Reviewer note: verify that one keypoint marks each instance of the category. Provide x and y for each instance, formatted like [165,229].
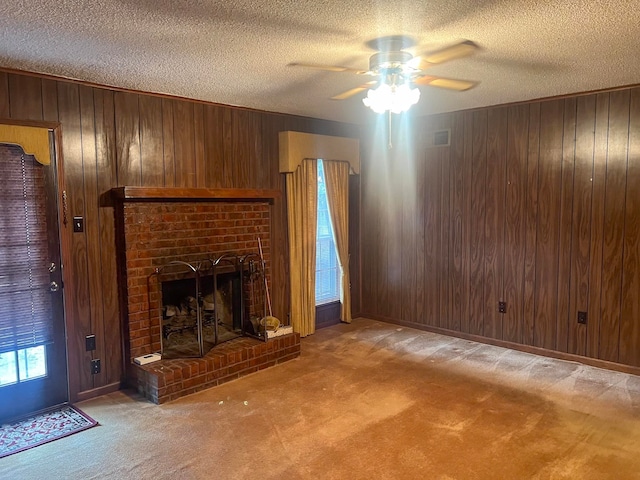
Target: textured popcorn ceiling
[237,52]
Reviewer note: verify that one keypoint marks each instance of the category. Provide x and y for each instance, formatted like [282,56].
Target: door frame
[64,228]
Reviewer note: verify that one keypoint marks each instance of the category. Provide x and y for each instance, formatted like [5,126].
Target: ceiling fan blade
[353,91]
[448,83]
[446,54]
[329,68]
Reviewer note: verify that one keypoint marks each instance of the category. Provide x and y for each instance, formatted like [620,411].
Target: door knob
[54,287]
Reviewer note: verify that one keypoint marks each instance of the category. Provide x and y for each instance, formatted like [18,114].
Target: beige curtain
[302,204]
[337,179]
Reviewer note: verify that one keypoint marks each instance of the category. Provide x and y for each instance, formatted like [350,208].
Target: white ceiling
[237,53]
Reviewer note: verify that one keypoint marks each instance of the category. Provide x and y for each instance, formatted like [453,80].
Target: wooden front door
[33,367]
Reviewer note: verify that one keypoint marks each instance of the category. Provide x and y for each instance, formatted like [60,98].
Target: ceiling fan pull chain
[389,130]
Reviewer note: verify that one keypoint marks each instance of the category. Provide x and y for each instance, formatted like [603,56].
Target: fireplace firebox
[206,303]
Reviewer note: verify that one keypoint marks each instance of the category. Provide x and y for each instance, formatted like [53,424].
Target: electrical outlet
[95,366]
[502,307]
[90,342]
[582,317]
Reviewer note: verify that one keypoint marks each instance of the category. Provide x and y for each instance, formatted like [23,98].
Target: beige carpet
[367,401]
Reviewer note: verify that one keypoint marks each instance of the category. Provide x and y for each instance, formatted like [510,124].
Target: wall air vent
[442,138]
[438,138]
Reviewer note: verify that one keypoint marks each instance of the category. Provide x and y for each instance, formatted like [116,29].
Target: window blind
[25,300]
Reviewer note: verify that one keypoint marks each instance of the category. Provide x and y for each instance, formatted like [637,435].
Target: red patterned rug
[42,428]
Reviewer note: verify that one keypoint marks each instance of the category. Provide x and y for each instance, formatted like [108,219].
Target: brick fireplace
[155,226]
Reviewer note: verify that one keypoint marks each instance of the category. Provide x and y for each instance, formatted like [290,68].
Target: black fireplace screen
[208,303]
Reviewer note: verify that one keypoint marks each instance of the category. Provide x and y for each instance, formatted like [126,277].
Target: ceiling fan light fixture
[392,98]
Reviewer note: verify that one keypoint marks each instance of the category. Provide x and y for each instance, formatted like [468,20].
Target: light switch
[78,224]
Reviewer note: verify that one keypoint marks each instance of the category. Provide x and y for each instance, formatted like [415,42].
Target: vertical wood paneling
[566,213]
[151,149]
[444,214]
[494,220]
[258,175]
[420,231]
[25,97]
[408,238]
[92,226]
[242,138]
[393,219]
[105,243]
[227,145]
[49,100]
[214,147]
[380,194]
[613,241]
[456,282]
[581,222]
[478,211]
[381,252]
[466,217]
[77,302]
[597,224]
[630,315]
[168,146]
[531,236]
[128,156]
[354,244]
[183,144]
[198,140]
[4,95]
[514,236]
[434,158]
[367,225]
[549,198]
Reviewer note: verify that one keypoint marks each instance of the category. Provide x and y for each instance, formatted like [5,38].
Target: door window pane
[23,364]
[8,368]
[32,362]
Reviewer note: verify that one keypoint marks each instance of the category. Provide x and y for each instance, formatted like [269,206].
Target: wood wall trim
[545,352]
[96,392]
[129,193]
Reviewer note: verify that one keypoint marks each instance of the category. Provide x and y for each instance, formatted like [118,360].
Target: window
[23,364]
[327,269]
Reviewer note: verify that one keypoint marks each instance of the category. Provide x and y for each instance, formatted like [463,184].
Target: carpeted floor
[367,401]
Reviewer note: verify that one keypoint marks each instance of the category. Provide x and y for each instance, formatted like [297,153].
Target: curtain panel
[302,201]
[337,180]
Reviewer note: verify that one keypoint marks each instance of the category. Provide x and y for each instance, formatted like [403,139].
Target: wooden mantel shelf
[177,194]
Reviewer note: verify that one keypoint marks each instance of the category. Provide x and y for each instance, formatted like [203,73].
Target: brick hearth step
[167,380]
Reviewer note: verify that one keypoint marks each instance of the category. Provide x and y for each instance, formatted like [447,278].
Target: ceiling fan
[398,70]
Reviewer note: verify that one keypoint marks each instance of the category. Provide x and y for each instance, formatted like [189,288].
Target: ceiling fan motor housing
[385,61]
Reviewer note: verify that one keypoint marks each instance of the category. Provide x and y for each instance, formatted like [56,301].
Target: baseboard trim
[593,362]
[96,392]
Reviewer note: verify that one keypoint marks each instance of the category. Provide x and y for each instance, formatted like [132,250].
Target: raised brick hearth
[156,226]
[167,380]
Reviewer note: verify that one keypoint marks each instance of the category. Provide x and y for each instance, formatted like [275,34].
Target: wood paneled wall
[536,205]
[113,138]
